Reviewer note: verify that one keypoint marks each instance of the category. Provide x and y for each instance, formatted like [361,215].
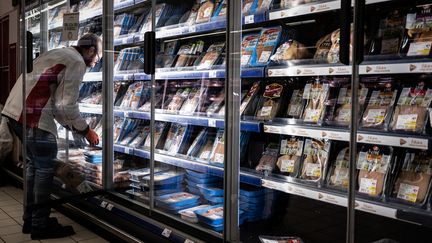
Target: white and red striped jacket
[52,90]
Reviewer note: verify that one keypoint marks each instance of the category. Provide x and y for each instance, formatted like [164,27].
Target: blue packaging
[176,200]
[202,181]
[189,213]
[212,215]
[214,200]
[193,190]
[199,175]
[267,43]
[169,177]
[251,191]
[254,200]
[211,190]
[176,208]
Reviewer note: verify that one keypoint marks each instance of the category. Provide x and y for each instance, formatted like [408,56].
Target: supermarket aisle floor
[11,222]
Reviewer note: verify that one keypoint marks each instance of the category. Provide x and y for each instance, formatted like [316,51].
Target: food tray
[202,180]
[189,213]
[254,200]
[212,215]
[251,191]
[214,200]
[193,190]
[176,209]
[199,175]
[210,190]
[177,199]
[169,177]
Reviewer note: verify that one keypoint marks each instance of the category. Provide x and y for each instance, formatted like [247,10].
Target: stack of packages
[205,185]
[165,183]
[130,59]
[256,202]
[123,23]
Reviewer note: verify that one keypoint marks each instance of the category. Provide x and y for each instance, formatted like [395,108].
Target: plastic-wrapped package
[269,38]
[178,99]
[333,53]
[139,139]
[216,105]
[290,154]
[268,160]
[339,112]
[218,151]
[249,43]
[290,50]
[118,123]
[176,135]
[271,102]
[280,239]
[248,102]
[189,213]
[190,16]
[413,180]
[379,107]
[411,113]
[338,176]
[205,12]
[248,6]
[315,158]
[221,9]
[296,104]
[316,94]
[187,54]
[193,101]
[388,38]
[197,143]
[212,55]
[160,130]
[323,47]
[418,34]
[373,164]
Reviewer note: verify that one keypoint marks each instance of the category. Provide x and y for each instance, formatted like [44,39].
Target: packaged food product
[373,164]
[212,55]
[118,123]
[178,99]
[413,181]
[280,239]
[160,128]
[411,113]
[205,12]
[190,16]
[333,53]
[192,102]
[250,97]
[380,104]
[211,190]
[417,39]
[290,50]
[189,213]
[268,159]
[270,102]
[296,104]
[176,135]
[178,200]
[315,94]
[221,10]
[339,114]
[315,157]
[218,151]
[269,38]
[323,47]
[217,104]
[290,153]
[139,139]
[249,43]
[212,215]
[263,5]
[339,171]
[248,5]
[388,39]
[165,178]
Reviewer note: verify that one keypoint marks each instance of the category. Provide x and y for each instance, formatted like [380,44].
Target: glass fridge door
[394,161]
[295,84]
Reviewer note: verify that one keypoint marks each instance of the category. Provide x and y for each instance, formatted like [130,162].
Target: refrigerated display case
[244,130]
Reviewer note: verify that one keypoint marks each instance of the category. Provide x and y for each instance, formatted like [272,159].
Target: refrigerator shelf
[343,134]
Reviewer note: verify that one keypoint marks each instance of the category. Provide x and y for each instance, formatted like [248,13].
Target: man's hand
[92,137]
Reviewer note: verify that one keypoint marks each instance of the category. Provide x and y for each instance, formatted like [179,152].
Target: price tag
[250,19]
[126,114]
[166,232]
[212,123]
[70,26]
[192,29]
[127,150]
[110,207]
[213,74]
[103,204]
[126,77]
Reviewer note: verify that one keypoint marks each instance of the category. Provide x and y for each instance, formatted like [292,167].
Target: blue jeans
[41,152]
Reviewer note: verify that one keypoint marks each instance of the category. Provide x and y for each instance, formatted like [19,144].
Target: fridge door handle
[29,51]
[345,32]
[149,52]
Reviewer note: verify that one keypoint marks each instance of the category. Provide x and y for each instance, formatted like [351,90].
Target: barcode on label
[249,19]
[110,207]
[212,123]
[103,204]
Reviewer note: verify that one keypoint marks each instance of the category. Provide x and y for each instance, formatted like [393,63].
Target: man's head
[91,49]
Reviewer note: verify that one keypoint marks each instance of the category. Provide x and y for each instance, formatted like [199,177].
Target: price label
[213,74]
[126,77]
[103,204]
[126,114]
[250,19]
[212,123]
[166,232]
[192,29]
[127,150]
[110,207]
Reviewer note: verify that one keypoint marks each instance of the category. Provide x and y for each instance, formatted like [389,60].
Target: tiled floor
[11,222]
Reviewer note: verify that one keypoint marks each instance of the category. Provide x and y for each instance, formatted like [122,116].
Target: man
[52,90]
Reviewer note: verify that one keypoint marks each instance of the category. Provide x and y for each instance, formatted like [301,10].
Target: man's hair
[89,40]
